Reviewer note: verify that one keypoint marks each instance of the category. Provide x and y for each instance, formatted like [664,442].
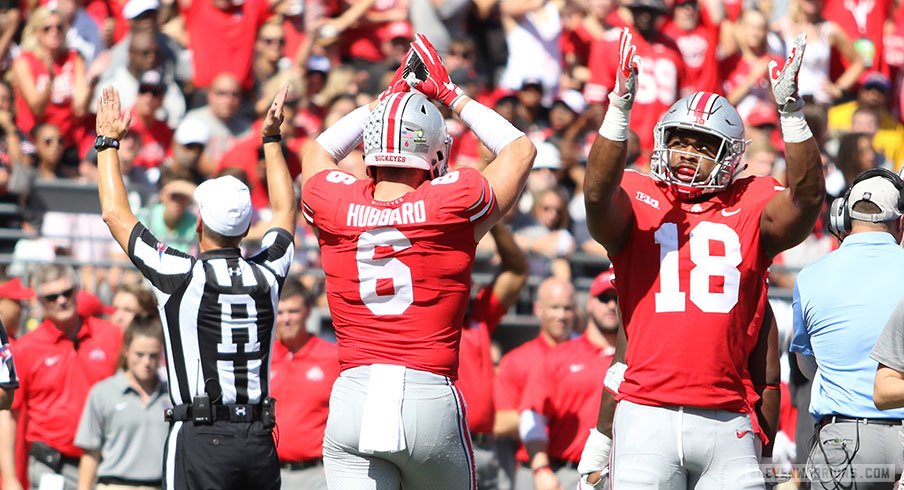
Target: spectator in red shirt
[563,393]
[745,84]
[475,367]
[57,364]
[221,36]
[696,29]
[156,136]
[50,80]
[555,308]
[303,368]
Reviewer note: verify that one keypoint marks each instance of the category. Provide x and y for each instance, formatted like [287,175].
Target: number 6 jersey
[398,273]
[691,287]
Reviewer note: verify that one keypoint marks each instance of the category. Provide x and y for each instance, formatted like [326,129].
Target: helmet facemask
[707,115]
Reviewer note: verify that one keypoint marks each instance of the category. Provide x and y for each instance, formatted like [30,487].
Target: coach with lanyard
[841,303]
[218,311]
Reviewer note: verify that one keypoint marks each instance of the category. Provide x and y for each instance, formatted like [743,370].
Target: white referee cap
[225,205]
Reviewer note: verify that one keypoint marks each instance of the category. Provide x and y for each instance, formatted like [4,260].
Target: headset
[840,210]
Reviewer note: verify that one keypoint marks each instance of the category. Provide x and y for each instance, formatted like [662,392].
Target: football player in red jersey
[397,250]
[683,418]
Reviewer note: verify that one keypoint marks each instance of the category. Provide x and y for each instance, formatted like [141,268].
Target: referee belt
[835,419]
[300,465]
[221,413]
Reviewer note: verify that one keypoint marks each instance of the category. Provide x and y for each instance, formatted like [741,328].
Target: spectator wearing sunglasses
[57,365]
[156,136]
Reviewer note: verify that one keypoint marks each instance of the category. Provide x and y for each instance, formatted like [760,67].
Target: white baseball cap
[879,191]
[548,156]
[190,131]
[134,8]
[225,205]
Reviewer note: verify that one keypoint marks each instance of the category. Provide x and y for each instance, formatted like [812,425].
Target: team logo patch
[234,271]
[644,198]
[97,354]
[315,374]
[161,248]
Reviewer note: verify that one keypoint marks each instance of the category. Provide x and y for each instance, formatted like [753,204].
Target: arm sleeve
[889,348]
[277,252]
[800,342]
[165,267]
[89,435]
[8,378]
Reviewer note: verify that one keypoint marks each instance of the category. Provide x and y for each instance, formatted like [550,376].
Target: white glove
[622,95]
[595,457]
[784,81]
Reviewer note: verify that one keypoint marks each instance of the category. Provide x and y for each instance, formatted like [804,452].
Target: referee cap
[225,205]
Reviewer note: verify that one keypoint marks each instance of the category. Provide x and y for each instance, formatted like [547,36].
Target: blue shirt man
[841,304]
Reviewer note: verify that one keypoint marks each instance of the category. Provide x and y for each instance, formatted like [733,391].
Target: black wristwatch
[104,142]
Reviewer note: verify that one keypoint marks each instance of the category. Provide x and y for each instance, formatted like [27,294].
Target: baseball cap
[878,81]
[657,5]
[604,282]
[318,63]
[225,205]
[152,80]
[531,82]
[398,29]
[15,290]
[879,191]
[548,156]
[134,8]
[573,100]
[190,131]
[762,115]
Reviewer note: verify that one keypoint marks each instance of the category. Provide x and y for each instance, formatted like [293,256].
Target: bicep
[315,160]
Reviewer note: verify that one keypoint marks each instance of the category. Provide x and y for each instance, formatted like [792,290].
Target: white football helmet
[707,113]
[406,130]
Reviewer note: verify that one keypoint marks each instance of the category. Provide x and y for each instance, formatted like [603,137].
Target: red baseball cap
[15,290]
[603,283]
[88,304]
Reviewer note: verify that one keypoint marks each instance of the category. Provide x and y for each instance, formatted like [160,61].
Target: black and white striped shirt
[8,378]
[218,312]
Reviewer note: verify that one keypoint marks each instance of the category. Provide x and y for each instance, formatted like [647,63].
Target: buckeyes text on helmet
[708,114]
[407,131]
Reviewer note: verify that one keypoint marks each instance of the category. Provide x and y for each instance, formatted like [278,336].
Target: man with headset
[841,303]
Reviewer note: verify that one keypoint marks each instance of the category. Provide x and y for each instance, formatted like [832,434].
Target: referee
[218,311]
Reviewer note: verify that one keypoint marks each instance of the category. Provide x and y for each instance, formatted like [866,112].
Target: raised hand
[110,119]
[274,118]
[432,77]
[402,80]
[622,95]
[784,81]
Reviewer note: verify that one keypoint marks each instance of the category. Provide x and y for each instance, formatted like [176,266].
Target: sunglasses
[227,93]
[155,91]
[270,41]
[52,298]
[50,140]
[144,52]
[607,297]
[52,27]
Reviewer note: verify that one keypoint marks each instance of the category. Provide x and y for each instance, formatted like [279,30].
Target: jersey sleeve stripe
[486,209]
[307,208]
[483,194]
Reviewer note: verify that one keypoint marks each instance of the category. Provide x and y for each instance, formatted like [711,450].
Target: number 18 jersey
[398,273]
[691,287]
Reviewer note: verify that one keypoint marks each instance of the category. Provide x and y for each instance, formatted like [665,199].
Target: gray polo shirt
[129,435]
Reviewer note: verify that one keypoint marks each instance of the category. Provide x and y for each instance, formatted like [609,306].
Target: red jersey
[243,155]
[155,142]
[687,307]
[864,22]
[567,388]
[55,376]
[476,370]
[698,49]
[301,383]
[660,81]
[59,109]
[223,41]
[734,71]
[398,273]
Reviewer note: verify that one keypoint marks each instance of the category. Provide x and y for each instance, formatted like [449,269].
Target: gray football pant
[438,455]
[679,448]
[311,478]
[856,456]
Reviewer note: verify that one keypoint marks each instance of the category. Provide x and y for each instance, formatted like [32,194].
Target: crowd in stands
[198,75]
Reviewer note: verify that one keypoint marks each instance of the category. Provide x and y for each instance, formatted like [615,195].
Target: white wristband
[615,124]
[595,456]
[614,376]
[794,127]
[493,130]
[342,137]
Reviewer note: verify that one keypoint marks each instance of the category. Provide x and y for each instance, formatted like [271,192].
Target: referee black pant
[223,456]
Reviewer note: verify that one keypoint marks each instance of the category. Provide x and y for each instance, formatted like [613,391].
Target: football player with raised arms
[691,245]
[398,249]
